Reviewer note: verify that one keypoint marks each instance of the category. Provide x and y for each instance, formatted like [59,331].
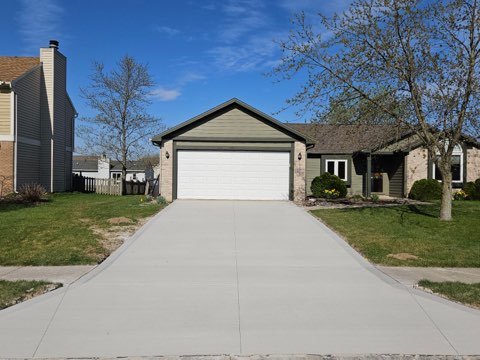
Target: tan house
[36,121]
[235,151]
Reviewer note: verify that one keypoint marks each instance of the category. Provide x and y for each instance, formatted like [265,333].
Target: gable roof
[11,67]
[345,139]
[85,163]
[234,102]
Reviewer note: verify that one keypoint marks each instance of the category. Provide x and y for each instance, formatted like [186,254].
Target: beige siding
[5,114]
[473,164]
[27,90]
[46,113]
[416,167]
[313,170]
[235,123]
[232,145]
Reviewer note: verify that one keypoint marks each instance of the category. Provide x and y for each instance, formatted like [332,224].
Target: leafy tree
[121,127]
[423,55]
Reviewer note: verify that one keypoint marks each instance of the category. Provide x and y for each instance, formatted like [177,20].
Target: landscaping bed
[468,294]
[13,292]
[69,228]
[410,235]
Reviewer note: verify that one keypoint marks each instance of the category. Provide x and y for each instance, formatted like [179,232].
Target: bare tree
[122,127]
[423,55]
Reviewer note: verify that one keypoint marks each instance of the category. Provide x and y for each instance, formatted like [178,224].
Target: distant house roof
[85,163]
[344,139]
[11,67]
[131,166]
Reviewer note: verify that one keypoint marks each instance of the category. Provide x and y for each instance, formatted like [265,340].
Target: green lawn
[60,232]
[12,292]
[377,232]
[465,293]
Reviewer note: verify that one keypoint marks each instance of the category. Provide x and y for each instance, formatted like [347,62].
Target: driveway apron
[236,277]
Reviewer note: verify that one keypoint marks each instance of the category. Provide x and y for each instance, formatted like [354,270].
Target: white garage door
[244,175]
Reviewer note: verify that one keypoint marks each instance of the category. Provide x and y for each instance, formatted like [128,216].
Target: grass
[13,292]
[377,232]
[61,231]
[464,293]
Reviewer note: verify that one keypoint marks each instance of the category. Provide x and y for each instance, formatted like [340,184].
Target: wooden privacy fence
[107,186]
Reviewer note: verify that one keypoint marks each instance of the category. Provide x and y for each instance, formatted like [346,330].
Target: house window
[337,167]
[457,167]
[116,176]
[134,176]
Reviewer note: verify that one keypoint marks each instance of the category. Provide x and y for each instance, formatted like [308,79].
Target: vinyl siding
[28,164]
[233,145]
[59,122]
[313,170]
[235,123]
[396,176]
[28,105]
[46,112]
[359,168]
[5,114]
[69,126]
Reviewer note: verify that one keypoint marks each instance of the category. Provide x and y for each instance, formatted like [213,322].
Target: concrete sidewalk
[58,274]
[410,276]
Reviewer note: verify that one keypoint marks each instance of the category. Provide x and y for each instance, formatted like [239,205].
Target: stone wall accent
[416,167]
[166,170]
[299,172]
[473,164]
[6,167]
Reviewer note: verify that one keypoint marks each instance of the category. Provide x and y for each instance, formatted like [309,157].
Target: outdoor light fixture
[299,156]
[167,155]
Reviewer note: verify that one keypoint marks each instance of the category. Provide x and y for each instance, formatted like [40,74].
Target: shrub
[426,189]
[460,195]
[375,198]
[328,186]
[32,192]
[472,190]
[356,198]
[161,200]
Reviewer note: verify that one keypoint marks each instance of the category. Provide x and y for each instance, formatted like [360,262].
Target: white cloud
[39,22]
[188,77]
[167,30]
[255,54]
[241,17]
[163,94]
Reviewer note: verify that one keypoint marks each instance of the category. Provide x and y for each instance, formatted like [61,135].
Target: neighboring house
[235,151]
[36,121]
[376,159]
[101,167]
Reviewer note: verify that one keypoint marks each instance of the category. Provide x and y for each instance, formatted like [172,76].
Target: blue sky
[200,53]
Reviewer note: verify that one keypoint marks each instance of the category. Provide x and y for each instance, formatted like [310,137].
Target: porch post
[368,179]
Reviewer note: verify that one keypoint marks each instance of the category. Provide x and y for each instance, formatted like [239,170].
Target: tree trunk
[446,203]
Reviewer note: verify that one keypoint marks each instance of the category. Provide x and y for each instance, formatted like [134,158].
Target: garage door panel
[233,175]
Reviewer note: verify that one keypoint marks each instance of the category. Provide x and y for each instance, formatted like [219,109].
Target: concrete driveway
[227,277]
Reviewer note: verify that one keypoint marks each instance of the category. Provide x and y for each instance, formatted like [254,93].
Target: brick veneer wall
[417,167]
[473,164]
[299,172]
[166,171]
[6,167]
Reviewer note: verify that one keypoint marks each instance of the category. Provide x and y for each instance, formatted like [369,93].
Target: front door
[377,176]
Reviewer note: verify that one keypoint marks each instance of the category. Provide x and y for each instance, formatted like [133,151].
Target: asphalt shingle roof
[344,139]
[11,67]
